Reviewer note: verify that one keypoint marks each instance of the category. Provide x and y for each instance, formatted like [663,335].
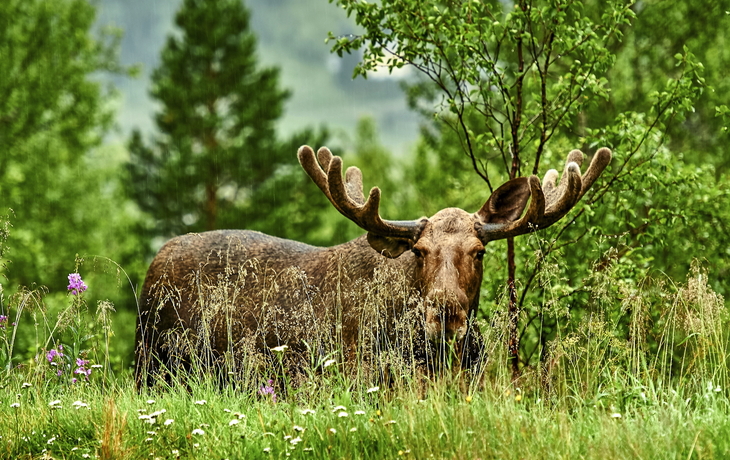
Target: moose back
[222,294]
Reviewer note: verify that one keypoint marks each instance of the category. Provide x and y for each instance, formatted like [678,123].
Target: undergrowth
[639,372]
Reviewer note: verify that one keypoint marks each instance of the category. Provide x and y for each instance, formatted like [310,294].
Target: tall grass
[639,372]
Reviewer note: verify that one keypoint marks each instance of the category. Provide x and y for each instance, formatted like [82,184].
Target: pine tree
[217,140]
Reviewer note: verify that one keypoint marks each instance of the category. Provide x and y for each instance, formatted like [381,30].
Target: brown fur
[224,292]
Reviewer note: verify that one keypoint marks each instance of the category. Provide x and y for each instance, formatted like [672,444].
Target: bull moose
[239,288]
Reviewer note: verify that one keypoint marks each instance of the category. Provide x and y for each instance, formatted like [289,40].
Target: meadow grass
[645,378]
[206,422]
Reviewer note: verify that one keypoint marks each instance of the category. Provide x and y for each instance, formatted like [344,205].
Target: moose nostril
[446,317]
[449,301]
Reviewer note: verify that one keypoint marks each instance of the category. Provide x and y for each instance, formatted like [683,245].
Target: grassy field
[659,392]
[89,421]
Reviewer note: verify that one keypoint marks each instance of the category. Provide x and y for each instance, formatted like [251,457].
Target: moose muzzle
[446,315]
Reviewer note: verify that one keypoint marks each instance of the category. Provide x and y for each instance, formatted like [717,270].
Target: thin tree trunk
[513,311]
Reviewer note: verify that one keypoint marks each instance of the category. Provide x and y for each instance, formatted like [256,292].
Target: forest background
[83,191]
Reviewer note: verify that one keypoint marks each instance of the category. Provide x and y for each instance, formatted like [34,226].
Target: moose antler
[548,203]
[326,171]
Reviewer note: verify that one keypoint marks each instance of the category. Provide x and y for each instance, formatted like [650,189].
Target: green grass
[351,424]
[640,377]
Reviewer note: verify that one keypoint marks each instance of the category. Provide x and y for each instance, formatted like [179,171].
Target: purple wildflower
[53,353]
[81,369]
[75,284]
[3,320]
[268,390]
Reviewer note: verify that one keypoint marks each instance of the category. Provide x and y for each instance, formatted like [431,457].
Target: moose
[210,284]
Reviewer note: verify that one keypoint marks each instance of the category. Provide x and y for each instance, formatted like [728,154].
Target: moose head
[448,247]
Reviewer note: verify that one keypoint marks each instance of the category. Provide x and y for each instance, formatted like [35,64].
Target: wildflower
[389,422]
[227,410]
[298,428]
[50,441]
[198,431]
[336,408]
[468,398]
[307,412]
[152,433]
[518,397]
[79,404]
[333,431]
[81,369]
[3,320]
[148,419]
[175,452]
[27,385]
[53,354]
[280,349]
[353,429]
[235,421]
[239,415]
[295,441]
[15,405]
[268,390]
[372,390]
[75,284]
[329,362]
[169,422]
[55,404]
[615,415]
[359,412]
[267,449]
[150,401]
[201,402]
[97,366]
[342,414]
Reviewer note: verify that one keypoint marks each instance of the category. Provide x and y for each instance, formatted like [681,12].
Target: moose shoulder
[235,287]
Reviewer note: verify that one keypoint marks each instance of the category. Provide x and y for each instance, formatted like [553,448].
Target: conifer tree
[216,126]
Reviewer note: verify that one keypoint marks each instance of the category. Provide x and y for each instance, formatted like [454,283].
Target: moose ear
[388,246]
[507,203]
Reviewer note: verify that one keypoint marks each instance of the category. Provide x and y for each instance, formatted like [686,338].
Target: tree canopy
[216,126]
[55,190]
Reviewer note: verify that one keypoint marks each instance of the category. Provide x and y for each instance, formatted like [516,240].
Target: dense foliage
[58,188]
[511,88]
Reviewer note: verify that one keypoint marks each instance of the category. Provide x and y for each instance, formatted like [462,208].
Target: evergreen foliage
[216,124]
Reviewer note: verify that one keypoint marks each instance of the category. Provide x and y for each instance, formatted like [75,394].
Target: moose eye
[480,255]
[417,252]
